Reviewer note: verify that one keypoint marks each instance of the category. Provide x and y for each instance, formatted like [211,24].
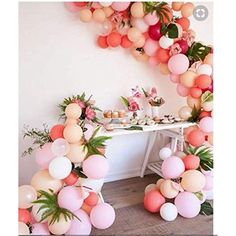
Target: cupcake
[115,114]
[121,113]
[107,114]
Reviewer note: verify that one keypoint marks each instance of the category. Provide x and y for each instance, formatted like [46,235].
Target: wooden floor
[126,196]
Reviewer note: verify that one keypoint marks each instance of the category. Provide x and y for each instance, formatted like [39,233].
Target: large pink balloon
[70,197]
[188,205]
[120,6]
[172,167]
[206,124]
[44,155]
[82,227]
[102,216]
[151,47]
[182,91]
[95,167]
[178,64]
[40,229]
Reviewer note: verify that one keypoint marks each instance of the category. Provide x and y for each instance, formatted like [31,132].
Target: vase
[155,111]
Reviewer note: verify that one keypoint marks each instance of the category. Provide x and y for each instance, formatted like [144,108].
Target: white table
[165,129]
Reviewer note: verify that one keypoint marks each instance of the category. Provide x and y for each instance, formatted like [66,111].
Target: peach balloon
[158,183]
[187,9]
[85,15]
[187,79]
[195,92]
[134,34]
[73,133]
[209,59]
[167,189]
[193,181]
[77,153]
[120,6]
[108,11]
[70,121]
[26,195]
[176,6]
[163,55]
[137,10]
[149,188]
[139,24]
[38,214]
[60,227]
[73,111]
[210,138]
[99,15]
[194,102]
[185,112]
[23,229]
[42,180]
[140,43]
[207,106]
[163,68]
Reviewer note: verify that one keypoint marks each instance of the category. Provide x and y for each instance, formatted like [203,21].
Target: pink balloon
[89,132]
[70,6]
[60,147]
[120,6]
[209,183]
[40,229]
[182,91]
[206,124]
[96,5]
[140,24]
[151,47]
[95,167]
[151,18]
[174,78]
[102,216]
[188,205]
[178,64]
[183,45]
[70,197]
[44,155]
[82,227]
[153,61]
[172,167]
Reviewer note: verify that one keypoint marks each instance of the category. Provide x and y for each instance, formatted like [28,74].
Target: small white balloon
[60,167]
[93,185]
[105,4]
[164,153]
[168,211]
[149,188]
[165,42]
[204,69]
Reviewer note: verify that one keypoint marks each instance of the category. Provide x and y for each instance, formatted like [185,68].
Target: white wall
[58,57]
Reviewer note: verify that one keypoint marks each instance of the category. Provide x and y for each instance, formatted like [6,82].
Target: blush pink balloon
[40,229]
[60,147]
[70,197]
[172,167]
[151,18]
[188,205]
[178,64]
[174,78]
[95,167]
[151,47]
[70,6]
[209,183]
[82,227]
[44,155]
[182,91]
[153,61]
[89,132]
[120,6]
[206,124]
[140,24]
[96,5]
[102,216]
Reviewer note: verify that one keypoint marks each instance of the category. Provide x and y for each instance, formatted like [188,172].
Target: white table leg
[101,197]
[174,142]
[181,142]
[151,141]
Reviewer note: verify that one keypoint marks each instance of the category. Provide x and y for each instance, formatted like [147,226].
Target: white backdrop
[58,57]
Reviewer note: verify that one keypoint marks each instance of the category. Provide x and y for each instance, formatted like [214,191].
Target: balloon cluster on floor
[64,195]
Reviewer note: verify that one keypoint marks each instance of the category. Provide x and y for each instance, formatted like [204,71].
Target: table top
[147,128]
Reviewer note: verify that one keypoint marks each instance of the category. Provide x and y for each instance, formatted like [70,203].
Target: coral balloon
[56,132]
[137,10]
[42,180]
[102,42]
[92,199]
[194,102]
[125,42]
[40,229]
[114,39]
[187,9]
[168,211]
[187,204]
[184,22]
[24,216]
[182,91]
[26,195]
[172,167]
[73,133]
[151,47]
[204,114]
[195,92]
[187,79]
[153,201]
[203,81]
[80,4]
[185,112]
[168,190]
[102,216]
[73,111]
[204,69]
[176,6]
[206,124]
[165,42]
[95,167]
[196,138]
[71,179]
[85,15]
[120,6]
[153,61]
[163,55]
[77,153]
[193,181]
[151,18]
[99,15]
[23,229]
[174,78]
[60,227]
[191,162]
[178,64]
[134,34]
[154,31]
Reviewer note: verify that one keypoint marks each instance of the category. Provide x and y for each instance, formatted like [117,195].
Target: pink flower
[189,36]
[175,49]
[136,93]
[133,106]
[79,102]
[153,92]
[90,113]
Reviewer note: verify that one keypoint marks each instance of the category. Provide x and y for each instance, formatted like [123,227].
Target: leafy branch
[207,97]
[194,115]
[206,209]
[125,101]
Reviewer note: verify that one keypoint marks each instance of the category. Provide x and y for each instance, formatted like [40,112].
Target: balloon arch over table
[63,197]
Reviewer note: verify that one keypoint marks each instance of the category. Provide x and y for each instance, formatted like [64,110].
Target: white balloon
[164,153]
[93,185]
[168,211]
[60,167]
[165,42]
[204,69]
[23,229]
[105,4]
[38,215]
[207,106]
[140,24]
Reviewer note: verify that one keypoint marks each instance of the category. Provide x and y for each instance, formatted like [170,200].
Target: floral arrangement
[152,98]
[86,104]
